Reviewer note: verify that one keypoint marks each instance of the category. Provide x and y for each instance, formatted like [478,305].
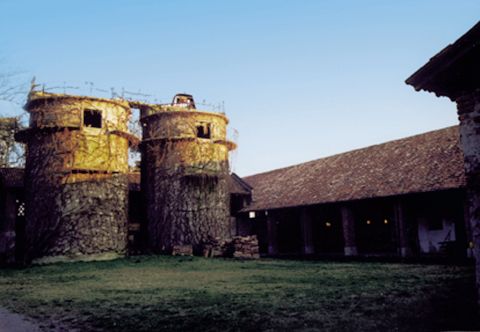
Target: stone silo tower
[184,174]
[75,176]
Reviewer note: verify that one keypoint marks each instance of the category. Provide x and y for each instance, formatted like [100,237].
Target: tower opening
[92,118]
[203,130]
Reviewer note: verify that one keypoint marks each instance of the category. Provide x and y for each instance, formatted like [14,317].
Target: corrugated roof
[422,163]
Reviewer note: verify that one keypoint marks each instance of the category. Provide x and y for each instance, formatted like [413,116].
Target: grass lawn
[156,293]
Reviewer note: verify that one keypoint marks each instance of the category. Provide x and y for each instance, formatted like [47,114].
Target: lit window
[251,214]
[328,224]
[385,221]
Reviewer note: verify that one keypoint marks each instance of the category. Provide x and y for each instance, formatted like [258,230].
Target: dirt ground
[11,322]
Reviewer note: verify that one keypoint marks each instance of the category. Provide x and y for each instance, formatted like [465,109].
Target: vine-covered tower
[184,174]
[75,176]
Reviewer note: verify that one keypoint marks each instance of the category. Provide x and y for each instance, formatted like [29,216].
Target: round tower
[75,176]
[184,174]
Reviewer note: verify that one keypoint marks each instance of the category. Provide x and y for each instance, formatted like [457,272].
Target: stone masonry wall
[79,219]
[186,209]
[468,107]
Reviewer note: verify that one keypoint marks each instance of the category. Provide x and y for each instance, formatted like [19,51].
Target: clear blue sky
[300,79]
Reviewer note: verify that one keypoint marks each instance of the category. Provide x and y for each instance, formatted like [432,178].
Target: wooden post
[272,234]
[307,236]
[348,223]
[403,245]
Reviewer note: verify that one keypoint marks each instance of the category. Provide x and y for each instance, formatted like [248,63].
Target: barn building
[400,198]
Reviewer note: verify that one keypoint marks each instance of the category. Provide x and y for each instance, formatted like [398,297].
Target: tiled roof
[454,69]
[237,185]
[422,163]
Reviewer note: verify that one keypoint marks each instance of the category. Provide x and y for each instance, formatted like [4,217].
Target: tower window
[203,130]
[92,118]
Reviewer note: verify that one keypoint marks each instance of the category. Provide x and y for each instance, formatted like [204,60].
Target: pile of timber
[215,247]
[182,250]
[243,247]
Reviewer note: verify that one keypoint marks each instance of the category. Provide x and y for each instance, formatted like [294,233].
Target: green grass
[156,293]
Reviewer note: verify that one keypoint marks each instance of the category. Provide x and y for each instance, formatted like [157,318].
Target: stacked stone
[245,247]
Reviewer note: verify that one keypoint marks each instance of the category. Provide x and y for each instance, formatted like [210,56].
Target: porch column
[272,234]
[468,109]
[307,236]
[348,223]
[404,249]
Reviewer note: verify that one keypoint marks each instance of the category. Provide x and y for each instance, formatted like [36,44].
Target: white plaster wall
[430,239]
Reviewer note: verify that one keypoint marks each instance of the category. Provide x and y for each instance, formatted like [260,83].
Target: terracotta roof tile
[237,185]
[427,162]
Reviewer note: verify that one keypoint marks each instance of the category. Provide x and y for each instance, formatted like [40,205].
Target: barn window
[92,118]
[203,130]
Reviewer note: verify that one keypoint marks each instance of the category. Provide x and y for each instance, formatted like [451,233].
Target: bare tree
[12,154]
